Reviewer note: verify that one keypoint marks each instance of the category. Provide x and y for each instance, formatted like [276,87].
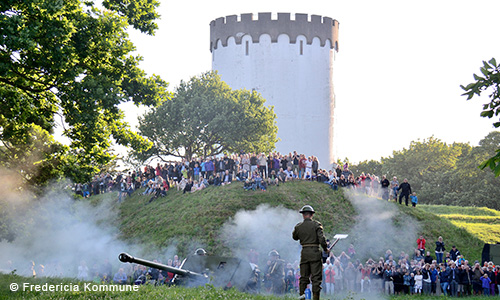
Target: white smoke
[263,229]
[380,226]
[57,232]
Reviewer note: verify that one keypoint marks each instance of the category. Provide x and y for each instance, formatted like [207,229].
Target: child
[414,199]
[418,282]
[406,282]
[412,283]
[486,284]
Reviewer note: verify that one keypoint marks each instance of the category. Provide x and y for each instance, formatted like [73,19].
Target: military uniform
[311,237]
[276,274]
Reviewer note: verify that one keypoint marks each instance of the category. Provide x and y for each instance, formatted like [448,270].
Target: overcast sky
[397,75]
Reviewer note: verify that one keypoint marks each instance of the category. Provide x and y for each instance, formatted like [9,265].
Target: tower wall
[290,62]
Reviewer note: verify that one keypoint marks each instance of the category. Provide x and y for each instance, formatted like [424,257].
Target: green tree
[488,81]
[72,59]
[368,167]
[422,160]
[206,117]
[470,186]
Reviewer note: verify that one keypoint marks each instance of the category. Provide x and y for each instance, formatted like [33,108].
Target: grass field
[482,222]
[157,293]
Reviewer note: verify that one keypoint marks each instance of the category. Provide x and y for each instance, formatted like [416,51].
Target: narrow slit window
[246,48]
[301,47]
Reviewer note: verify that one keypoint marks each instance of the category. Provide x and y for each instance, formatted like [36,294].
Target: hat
[307,208]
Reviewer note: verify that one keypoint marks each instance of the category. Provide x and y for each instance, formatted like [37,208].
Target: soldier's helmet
[274,253]
[200,251]
[307,208]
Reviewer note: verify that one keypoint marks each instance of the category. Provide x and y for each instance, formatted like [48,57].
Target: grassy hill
[482,222]
[183,218]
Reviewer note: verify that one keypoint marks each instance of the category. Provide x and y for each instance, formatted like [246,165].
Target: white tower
[289,62]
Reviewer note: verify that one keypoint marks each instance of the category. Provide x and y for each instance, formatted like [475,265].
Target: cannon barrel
[127,258]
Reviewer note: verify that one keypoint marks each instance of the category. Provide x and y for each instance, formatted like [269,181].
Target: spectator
[453,278]
[388,279]
[338,277]
[120,277]
[444,279]
[329,277]
[405,189]
[83,271]
[273,178]
[428,258]
[439,250]
[465,280]
[262,165]
[394,188]
[227,179]
[454,253]
[302,166]
[189,186]
[421,244]
[418,282]
[486,284]
[414,199]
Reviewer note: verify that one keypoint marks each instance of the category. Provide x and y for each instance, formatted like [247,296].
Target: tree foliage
[70,59]
[443,173]
[488,80]
[206,117]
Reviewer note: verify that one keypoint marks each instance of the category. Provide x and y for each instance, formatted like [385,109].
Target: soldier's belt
[310,245]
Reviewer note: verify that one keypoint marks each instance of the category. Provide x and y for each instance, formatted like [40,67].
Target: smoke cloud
[380,226]
[263,229]
[57,232]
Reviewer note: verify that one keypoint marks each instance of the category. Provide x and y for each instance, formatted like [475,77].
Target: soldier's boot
[315,296]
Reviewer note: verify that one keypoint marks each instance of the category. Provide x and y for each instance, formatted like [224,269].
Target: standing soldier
[310,235]
[276,273]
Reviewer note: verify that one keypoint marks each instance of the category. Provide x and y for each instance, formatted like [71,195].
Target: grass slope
[187,219]
[482,222]
[198,216]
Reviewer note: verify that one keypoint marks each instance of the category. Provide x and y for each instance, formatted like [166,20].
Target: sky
[397,74]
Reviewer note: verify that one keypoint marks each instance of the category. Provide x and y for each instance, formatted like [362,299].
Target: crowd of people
[418,272]
[446,273]
[256,171]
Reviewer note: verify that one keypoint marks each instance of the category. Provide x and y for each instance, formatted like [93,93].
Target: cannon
[196,270]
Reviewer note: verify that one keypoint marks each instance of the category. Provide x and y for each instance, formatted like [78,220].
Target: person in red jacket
[329,277]
[421,244]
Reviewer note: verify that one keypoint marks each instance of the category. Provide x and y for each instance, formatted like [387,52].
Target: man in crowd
[405,191]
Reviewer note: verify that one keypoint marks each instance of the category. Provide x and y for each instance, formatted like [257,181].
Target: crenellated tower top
[324,28]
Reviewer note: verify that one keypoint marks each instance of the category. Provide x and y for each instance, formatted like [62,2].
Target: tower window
[301,47]
[246,48]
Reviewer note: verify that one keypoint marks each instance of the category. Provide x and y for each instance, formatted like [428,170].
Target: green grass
[158,293]
[199,216]
[183,218]
[481,222]
[149,292]
[434,226]
[459,210]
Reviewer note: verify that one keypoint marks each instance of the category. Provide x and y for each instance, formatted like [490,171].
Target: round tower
[288,61]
